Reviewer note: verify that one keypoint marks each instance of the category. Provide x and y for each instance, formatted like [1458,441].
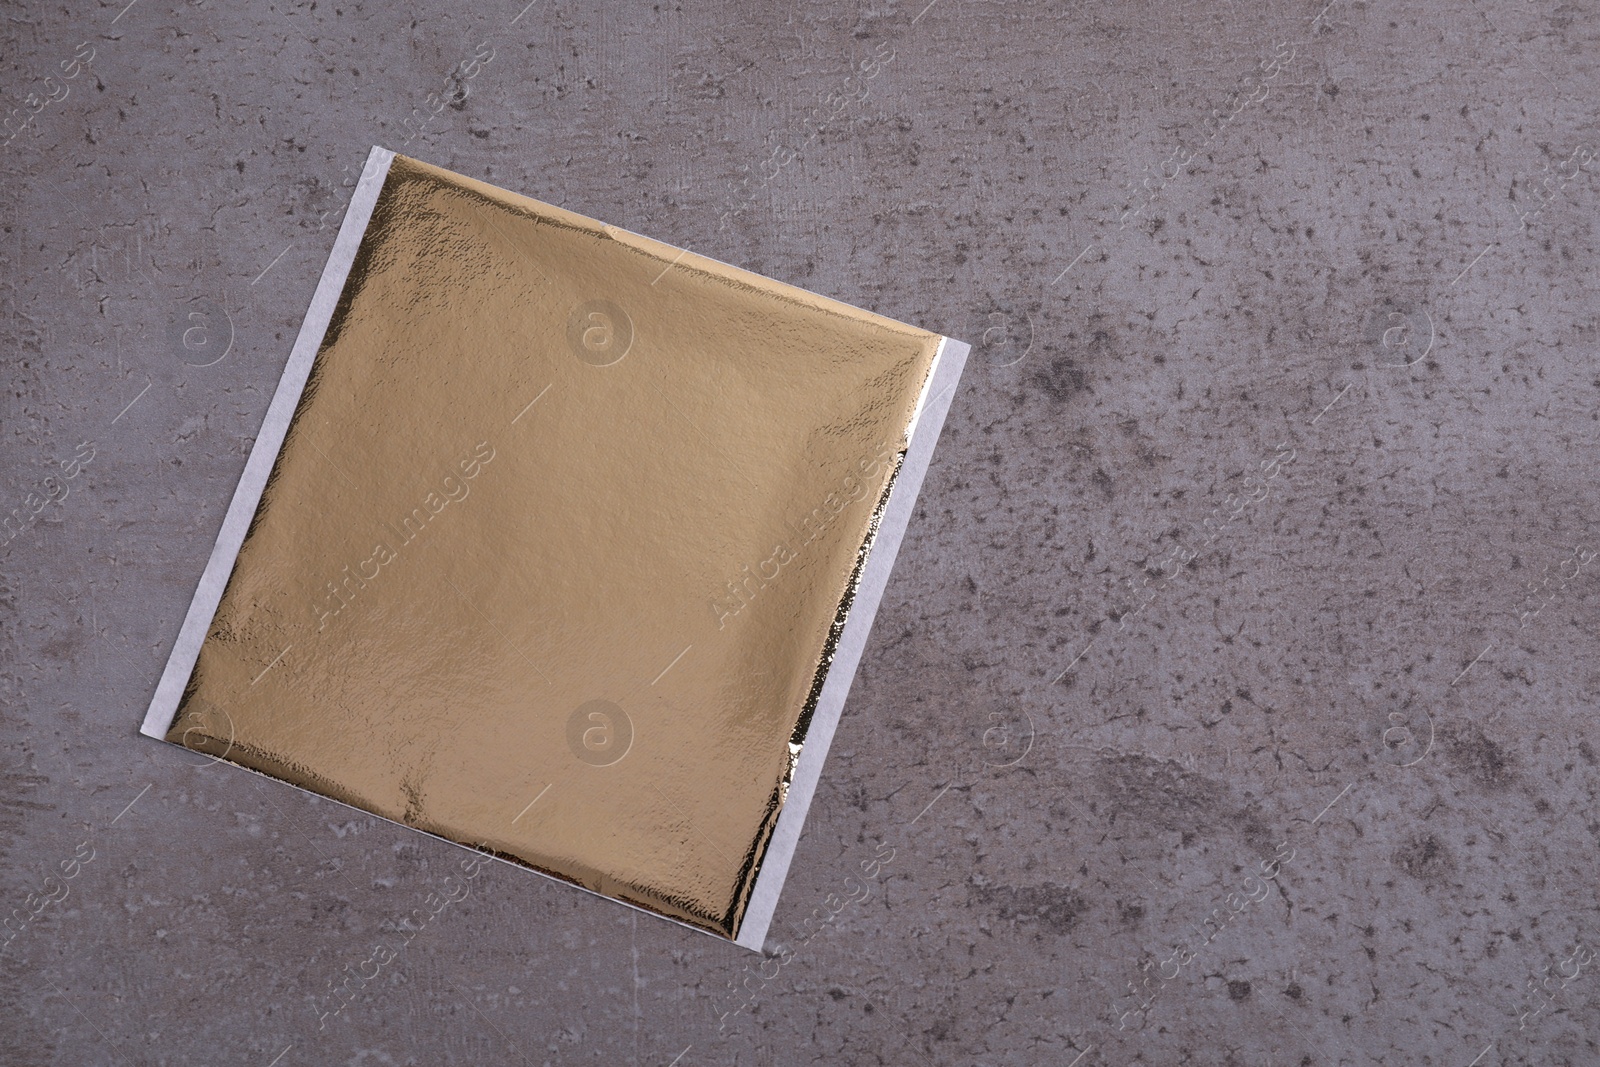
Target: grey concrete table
[1231,702]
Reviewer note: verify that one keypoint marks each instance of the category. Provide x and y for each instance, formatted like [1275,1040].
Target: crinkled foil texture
[555,553]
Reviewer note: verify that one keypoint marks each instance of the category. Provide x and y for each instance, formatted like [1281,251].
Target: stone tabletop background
[1232,699]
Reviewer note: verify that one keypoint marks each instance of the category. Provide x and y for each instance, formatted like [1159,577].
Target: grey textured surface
[1353,327]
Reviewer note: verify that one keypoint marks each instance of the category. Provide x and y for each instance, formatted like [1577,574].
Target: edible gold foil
[554,555]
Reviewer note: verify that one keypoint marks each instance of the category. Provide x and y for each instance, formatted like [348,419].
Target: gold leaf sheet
[555,551]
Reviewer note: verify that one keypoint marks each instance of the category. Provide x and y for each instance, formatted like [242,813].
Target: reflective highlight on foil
[557,551]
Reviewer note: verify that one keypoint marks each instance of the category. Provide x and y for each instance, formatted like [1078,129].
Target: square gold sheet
[558,545]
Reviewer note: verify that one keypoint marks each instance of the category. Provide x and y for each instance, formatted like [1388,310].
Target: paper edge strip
[926,425]
[258,468]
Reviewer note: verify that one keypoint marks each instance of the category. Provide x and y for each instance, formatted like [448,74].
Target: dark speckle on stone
[1056,908]
[1102,481]
[1484,761]
[1062,380]
[1155,795]
[1425,858]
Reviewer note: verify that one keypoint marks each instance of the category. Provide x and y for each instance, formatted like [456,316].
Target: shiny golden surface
[555,552]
